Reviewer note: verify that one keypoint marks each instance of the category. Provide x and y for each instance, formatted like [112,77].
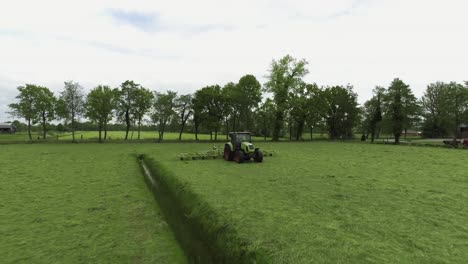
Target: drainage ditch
[194,246]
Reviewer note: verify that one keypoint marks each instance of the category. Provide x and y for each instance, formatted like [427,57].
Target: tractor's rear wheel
[239,156]
[227,153]
[258,157]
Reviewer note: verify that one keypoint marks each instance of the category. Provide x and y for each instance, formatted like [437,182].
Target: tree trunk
[161,130]
[43,126]
[397,138]
[105,131]
[227,129]
[216,134]
[277,126]
[73,127]
[127,122]
[139,127]
[311,133]
[300,129]
[406,130]
[29,129]
[181,130]
[100,129]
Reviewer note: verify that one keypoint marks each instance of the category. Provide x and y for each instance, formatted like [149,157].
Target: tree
[232,98]
[100,103]
[315,107]
[71,103]
[341,111]
[456,105]
[265,117]
[183,106]
[126,103]
[395,107]
[142,102]
[433,106]
[285,74]
[248,97]
[210,106]
[44,104]
[25,108]
[163,111]
[304,106]
[373,112]
[198,111]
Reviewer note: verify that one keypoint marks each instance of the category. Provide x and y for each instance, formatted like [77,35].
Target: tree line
[284,105]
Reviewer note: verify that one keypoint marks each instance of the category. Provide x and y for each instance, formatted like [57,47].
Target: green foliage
[306,107]
[372,111]
[250,96]
[142,102]
[70,105]
[36,105]
[100,103]
[183,108]
[341,111]
[126,103]
[163,110]
[401,108]
[209,107]
[284,75]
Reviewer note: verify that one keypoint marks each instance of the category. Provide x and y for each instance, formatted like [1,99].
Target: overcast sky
[185,45]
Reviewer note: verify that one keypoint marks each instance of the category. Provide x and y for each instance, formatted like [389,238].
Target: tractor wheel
[239,156]
[227,153]
[258,157]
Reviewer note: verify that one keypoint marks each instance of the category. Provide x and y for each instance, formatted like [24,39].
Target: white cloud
[184,45]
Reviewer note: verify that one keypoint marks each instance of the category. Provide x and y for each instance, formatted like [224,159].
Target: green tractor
[240,148]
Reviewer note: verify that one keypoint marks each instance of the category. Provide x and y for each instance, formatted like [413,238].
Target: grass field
[79,204]
[314,202]
[336,203]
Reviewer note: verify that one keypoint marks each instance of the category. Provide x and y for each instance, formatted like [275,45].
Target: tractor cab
[238,137]
[240,148]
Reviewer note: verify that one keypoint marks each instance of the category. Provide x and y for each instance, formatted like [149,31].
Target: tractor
[241,149]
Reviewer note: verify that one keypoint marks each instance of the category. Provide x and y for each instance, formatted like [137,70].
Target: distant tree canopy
[286,106]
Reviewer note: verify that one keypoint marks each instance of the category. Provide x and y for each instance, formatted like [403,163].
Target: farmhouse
[7,128]
[410,133]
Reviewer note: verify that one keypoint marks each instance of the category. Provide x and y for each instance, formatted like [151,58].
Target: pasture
[313,202]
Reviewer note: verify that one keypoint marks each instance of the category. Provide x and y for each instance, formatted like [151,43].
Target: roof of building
[6,125]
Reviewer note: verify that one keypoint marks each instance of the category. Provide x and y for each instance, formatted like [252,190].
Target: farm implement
[239,149]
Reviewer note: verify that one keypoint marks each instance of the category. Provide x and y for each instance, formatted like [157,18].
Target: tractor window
[243,138]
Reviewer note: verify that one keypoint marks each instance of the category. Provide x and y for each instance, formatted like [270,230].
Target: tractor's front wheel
[258,157]
[227,153]
[239,156]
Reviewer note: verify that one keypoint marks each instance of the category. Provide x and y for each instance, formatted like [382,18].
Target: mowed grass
[73,203]
[312,203]
[337,202]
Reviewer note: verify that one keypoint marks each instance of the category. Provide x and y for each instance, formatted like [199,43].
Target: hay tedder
[239,149]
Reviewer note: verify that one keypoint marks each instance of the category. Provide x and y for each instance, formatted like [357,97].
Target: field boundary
[199,229]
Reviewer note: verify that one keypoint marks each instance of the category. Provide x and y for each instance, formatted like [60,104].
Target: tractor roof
[232,133]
